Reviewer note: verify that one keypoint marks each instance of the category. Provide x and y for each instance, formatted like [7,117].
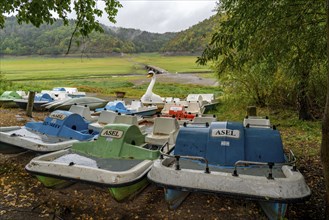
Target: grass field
[99,75]
[42,68]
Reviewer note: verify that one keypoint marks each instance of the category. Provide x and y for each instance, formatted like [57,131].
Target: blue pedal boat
[58,131]
[136,108]
[39,100]
[233,159]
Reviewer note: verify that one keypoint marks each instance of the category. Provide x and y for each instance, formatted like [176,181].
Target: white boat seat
[256,122]
[167,106]
[135,104]
[130,120]
[126,119]
[203,120]
[194,97]
[84,112]
[164,129]
[194,108]
[105,117]
[208,97]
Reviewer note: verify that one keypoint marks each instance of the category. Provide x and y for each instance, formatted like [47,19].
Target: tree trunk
[325,128]
[303,103]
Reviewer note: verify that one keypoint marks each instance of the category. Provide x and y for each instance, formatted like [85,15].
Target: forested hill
[193,39]
[54,39]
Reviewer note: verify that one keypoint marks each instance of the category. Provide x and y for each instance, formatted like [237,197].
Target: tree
[325,126]
[285,34]
[38,12]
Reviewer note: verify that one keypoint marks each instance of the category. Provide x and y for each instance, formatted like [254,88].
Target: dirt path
[23,197]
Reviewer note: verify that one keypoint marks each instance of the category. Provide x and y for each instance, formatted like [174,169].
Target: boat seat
[167,106]
[194,108]
[208,97]
[164,129]
[194,97]
[83,111]
[135,104]
[126,119]
[129,120]
[202,120]
[105,117]
[256,122]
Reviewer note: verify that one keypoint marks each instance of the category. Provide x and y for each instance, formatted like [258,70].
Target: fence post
[251,111]
[30,102]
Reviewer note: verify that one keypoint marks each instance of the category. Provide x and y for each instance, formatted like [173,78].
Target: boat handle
[177,157]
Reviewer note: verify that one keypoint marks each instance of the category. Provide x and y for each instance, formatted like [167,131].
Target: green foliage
[194,39]
[54,39]
[4,83]
[38,12]
[287,37]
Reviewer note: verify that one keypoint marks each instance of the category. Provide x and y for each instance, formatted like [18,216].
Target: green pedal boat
[119,159]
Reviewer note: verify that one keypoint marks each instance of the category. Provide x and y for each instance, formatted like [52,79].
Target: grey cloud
[161,16]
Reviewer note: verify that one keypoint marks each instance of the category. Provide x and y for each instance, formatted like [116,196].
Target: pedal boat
[177,111]
[39,100]
[231,159]
[7,99]
[119,159]
[58,131]
[135,108]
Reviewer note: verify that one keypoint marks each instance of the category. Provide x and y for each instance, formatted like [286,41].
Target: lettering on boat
[57,116]
[112,133]
[225,133]
[51,124]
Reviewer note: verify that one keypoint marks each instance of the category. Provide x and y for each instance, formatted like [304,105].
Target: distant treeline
[54,40]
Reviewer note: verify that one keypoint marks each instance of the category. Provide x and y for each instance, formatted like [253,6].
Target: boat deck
[110,164]
[254,170]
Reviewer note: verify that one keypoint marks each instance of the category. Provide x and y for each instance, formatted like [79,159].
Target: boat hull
[53,183]
[8,104]
[121,194]
[15,137]
[257,187]
[10,149]
[274,210]
[124,178]
[175,198]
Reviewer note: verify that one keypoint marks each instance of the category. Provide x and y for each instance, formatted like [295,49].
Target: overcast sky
[160,16]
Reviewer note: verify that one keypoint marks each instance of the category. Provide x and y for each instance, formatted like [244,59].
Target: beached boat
[135,108]
[91,102]
[110,117]
[58,131]
[7,99]
[119,159]
[60,92]
[150,98]
[39,100]
[207,101]
[231,159]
